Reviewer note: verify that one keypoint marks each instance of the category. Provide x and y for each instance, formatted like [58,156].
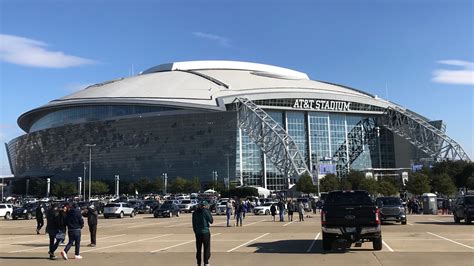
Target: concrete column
[79,186]
[48,186]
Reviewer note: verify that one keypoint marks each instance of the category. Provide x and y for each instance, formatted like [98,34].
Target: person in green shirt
[202,218]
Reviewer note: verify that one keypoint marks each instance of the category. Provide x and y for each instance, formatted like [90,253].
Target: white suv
[118,210]
[6,211]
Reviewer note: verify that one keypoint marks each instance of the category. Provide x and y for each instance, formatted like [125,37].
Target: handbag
[60,235]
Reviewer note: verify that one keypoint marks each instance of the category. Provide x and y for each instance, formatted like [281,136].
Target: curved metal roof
[205,85]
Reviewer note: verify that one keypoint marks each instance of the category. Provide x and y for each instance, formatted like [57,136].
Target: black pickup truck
[350,217]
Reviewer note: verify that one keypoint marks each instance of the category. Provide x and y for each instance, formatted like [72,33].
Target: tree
[193,185]
[386,188]
[459,170]
[470,182]
[443,184]
[418,184]
[305,184]
[329,183]
[63,189]
[178,185]
[356,178]
[99,188]
[370,185]
[344,184]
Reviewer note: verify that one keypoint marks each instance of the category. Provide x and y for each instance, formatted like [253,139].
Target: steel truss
[361,134]
[422,134]
[271,138]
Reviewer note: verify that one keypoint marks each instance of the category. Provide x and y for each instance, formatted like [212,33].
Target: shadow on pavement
[437,223]
[24,258]
[299,246]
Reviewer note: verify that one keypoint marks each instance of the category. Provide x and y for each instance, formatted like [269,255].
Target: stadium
[247,123]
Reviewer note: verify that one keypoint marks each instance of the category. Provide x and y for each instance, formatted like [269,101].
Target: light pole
[228,170]
[214,179]
[84,182]
[117,184]
[79,186]
[165,179]
[90,166]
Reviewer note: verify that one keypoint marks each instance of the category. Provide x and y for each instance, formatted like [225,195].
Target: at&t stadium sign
[323,105]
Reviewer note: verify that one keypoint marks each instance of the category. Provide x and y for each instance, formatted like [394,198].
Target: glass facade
[275,180]
[85,114]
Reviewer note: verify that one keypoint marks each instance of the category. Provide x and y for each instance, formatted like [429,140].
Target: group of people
[66,219]
[291,207]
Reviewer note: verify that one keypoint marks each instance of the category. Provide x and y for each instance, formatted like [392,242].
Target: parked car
[118,210]
[350,217]
[392,209]
[148,206]
[463,208]
[187,205]
[6,211]
[221,207]
[27,211]
[264,208]
[167,209]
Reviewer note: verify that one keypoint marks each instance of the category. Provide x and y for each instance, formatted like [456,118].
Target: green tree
[443,184]
[178,185]
[370,185]
[386,188]
[99,188]
[63,188]
[459,170]
[329,183]
[345,184]
[305,184]
[418,184]
[157,184]
[470,182]
[356,178]
[193,185]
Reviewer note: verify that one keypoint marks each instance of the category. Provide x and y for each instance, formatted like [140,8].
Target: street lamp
[84,182]
[214,179]
[90,166]
[378,144]
[165,179]
[228,170]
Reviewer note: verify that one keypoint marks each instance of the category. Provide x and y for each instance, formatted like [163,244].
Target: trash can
[430,205]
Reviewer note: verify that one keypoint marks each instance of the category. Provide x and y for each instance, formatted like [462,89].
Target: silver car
[118,210]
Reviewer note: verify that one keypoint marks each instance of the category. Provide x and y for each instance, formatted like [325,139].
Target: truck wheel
[467,219]
[377,243]
[121,215]
[456,219]
[404,222]
[327,242]
[106,217]
[132,214]
[267,212]
[8,216]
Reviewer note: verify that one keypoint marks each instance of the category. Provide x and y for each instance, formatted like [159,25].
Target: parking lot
[143,240]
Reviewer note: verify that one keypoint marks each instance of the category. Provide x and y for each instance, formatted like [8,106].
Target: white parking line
[289,223]
[436,220]
[254,222]
[126,243]
[461,244]
[47,246]
[312,243]
[387,246]
[410,224]
[177,245]
[248,242]
[148,224]
[176,225]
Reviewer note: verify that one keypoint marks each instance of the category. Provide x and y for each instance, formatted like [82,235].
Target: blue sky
[419,54]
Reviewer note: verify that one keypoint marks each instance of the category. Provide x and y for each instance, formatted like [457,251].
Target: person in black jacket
[54,224]
[92,222]
[202,218]
[74,223]
[39,218]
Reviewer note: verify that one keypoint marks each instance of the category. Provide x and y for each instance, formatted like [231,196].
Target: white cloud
[463,76]
[219,39]
[28,52]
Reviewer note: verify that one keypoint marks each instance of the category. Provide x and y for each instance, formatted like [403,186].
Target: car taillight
[323,218]
[377,216]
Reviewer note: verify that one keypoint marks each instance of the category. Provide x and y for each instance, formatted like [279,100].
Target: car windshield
[112,205]
[348,198]
[469,200]
[389,201]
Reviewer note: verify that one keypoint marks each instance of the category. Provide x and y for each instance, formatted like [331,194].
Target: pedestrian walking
[228,212]
[301,211]
[55,229]
[92,223]
[313,206]
[291,209]
[39,218]
[281,209]
[62,217]
[74,223]
[273,210]
[238,212]
[202,218]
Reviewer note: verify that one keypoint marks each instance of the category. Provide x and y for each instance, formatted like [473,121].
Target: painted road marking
[149,224]
[254,222]
[387,246]
[248,242]
[312,243]
[180,244]
[289,223]
[436,220]
[126,243]
[461,244]
[410,224]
